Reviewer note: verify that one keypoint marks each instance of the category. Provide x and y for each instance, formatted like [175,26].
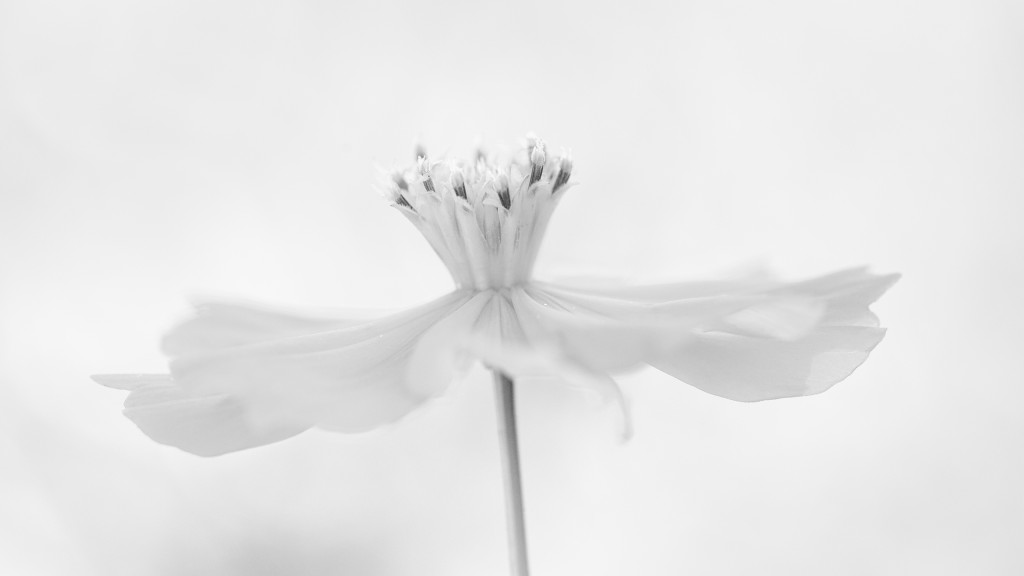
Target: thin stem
[508,438]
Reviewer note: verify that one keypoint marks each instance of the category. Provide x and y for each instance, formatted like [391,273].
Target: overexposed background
[152,151]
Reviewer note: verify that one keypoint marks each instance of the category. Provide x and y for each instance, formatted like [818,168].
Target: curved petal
[612,335]
[348,379]
[755,279]
[219,324]
[511,338]
[754,340]
[440,353]
[750,369]
[751,366]
[206,425]
[520,360]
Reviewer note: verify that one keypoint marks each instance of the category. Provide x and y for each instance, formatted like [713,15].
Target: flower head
[242,376]
[485,221]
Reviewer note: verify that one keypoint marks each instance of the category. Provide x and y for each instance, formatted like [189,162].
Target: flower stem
[504,391]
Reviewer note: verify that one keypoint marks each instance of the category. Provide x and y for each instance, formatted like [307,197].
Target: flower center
[484,219]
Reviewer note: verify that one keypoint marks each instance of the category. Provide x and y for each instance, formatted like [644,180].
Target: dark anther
[503,195]
[537,160]
[564,171]
[459,185]
[536,173]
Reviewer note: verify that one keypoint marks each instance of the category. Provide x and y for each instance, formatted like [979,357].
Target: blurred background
[156,151]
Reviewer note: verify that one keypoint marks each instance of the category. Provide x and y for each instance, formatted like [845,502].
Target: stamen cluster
[485,219]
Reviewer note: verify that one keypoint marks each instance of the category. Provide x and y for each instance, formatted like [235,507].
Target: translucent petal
[507,339]
[746,366]
[612,335]
[206,425]
[129,381]
[785,318]
[542,360]
[655,293]
[754,340]
[750,369]
[226,324]
[349,379]
[441,354]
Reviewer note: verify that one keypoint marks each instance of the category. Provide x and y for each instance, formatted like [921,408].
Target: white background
[152,151]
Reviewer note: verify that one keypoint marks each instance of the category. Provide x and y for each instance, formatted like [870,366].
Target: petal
[206,426]
[440,353]
[512,341]
[224,324]
[129,381]
[750,369]
[350,379]
[612,335]
[755,340]
[519,361]
[785,318]
[848,301]
[849,292]
[741,365]
[656,293]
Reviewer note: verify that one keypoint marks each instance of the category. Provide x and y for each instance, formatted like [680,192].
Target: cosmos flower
[243,376]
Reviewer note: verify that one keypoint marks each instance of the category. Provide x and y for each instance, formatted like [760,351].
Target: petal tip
[129,381]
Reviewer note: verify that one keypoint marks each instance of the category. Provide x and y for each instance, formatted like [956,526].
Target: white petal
[848,301]
[785,318]
[657,293]
[754,341]
[746,366]
[440,353]
[750,369]
[223,325]
[510,337]
[520,360]
[206,426]
[129,381]
[611,334]
[350,379]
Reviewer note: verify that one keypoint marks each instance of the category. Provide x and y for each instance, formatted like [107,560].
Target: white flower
[242,376]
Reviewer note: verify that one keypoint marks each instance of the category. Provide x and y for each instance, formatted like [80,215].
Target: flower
[243,376]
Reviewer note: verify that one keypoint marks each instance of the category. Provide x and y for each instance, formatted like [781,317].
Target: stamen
[424,167]
[503,194]
[459,184]
[564,171]
[394,193]
[537,159]
[485,244]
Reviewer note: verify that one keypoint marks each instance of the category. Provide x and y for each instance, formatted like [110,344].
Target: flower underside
[242,376]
